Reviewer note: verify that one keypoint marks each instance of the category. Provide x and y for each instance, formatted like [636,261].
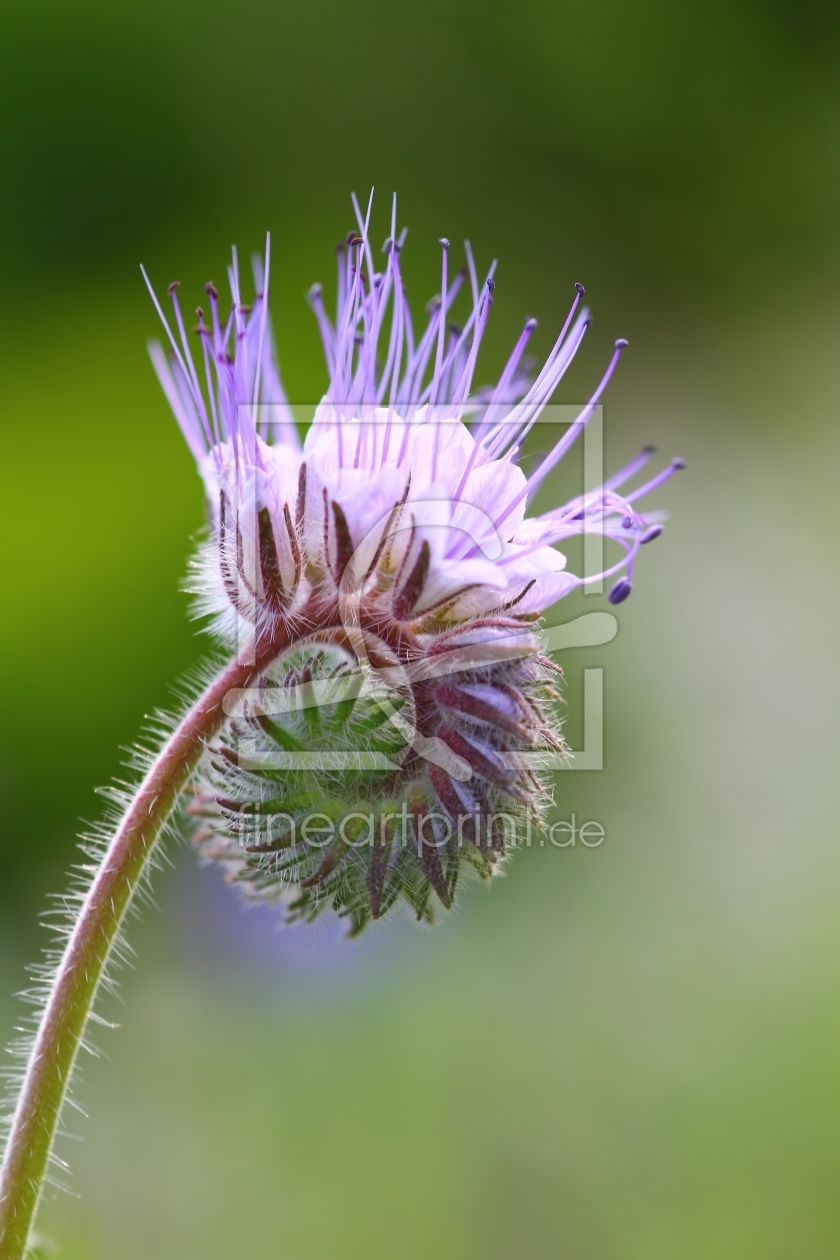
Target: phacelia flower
[386,572]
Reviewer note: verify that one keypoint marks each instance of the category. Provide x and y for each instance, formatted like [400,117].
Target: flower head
[396,538]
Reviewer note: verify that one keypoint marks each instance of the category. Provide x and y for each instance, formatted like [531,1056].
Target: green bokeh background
[628,1053]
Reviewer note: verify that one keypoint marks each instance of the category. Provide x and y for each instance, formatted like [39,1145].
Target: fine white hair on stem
[62,916]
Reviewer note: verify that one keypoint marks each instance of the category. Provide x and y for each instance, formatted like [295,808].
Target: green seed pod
[347,785]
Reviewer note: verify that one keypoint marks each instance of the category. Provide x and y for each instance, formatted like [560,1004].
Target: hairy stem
[84,960]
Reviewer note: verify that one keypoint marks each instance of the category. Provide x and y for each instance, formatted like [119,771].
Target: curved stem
[84,960]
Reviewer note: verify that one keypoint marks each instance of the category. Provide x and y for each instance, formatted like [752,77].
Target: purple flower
[402,515]
[389,450]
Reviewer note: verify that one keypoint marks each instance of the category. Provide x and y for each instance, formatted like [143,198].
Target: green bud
[341,786]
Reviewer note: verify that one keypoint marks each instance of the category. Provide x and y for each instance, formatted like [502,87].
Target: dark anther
[648,450]
[353,239]
[176,284]
[530,324]
[580,288]
[678,463]
[444,242]
[491,284]
[211,291]
[650,534]
[620,591]
[199,312]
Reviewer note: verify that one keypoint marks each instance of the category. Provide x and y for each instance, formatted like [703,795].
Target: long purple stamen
[656,481]
[462,390]
[629,470]
[263,320]
[522,420]
[454,351]
[550,375]
[565,442]
[441,337]
[164,375]
[380,370]
[316,301]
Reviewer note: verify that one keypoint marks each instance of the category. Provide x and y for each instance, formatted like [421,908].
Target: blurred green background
[627,1053]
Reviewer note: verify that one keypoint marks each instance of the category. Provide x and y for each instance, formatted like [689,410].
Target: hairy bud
[347,785]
